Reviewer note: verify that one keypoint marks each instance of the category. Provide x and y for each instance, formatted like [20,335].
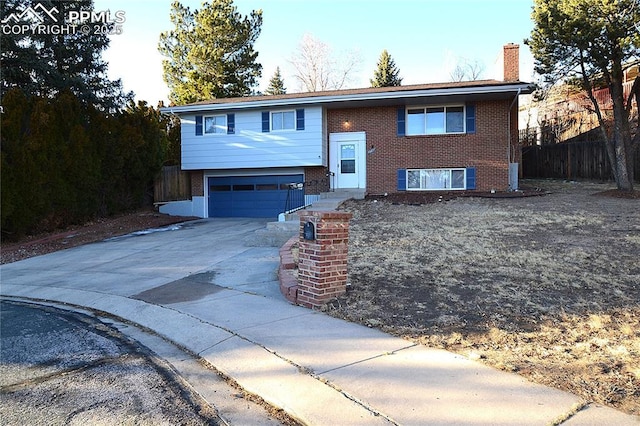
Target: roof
[371,96]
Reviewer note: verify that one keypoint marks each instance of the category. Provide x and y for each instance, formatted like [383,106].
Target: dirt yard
[546,286]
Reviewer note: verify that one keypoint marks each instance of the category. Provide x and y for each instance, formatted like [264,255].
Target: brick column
[322,262]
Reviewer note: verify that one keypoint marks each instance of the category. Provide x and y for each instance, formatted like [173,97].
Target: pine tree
[387,74]
[210,52]
[43,63]
[276,84]
[590,42]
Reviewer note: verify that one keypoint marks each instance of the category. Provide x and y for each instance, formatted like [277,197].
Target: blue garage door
[249,196]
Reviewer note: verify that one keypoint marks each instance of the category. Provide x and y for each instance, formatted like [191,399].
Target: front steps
[274,235]
[278,233]
[345,193]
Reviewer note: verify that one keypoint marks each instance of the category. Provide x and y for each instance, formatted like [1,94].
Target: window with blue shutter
[299,119]
[401,121]
[231,124]
[471,178]
[402,179]
[265,121]
[471,118]
[198,125]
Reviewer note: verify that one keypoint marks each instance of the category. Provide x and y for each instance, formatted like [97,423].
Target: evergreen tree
[64,161]
[276,84]
[210,52]
[43,63]
[589,42]
[387,74]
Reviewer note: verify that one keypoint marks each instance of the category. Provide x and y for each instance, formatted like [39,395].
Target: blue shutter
[401,121]
[265,121]
[471,178]
[299,119]
[198,125]
[402,179]
[471,118]
[231,124]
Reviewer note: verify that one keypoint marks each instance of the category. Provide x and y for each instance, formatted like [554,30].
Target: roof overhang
[367,99]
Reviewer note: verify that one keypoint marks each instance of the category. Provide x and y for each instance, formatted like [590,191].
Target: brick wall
[318,174]
[197,183]
[486,149]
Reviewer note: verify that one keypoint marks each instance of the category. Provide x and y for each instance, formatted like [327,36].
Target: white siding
[249,147]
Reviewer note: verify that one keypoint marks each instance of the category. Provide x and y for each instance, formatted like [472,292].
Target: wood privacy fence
[570,160]
[172,185]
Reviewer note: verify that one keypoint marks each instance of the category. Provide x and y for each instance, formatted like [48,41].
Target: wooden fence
[570,160]
[172,185]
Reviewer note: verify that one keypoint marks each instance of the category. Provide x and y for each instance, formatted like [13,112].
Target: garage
[249,196]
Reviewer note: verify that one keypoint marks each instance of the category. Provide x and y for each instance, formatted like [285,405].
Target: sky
[425,38]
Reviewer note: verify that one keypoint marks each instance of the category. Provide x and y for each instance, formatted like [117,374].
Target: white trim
[361,138]
[253,172]
[329,99]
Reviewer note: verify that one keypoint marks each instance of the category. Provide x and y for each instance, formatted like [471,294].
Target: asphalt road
[61,367]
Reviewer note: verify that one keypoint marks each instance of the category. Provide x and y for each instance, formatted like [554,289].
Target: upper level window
[435,120]
[215,124]
[283,120]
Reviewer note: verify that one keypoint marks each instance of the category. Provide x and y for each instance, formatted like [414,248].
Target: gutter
[332,99]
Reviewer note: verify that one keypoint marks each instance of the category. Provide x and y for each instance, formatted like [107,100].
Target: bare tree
[467,70]
[317,68]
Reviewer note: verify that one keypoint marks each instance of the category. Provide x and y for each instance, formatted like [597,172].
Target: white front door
[347,160]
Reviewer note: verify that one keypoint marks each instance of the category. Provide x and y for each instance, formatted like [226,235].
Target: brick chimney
[511,62]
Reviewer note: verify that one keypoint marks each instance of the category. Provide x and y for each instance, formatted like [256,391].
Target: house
[567,114]
[243,154]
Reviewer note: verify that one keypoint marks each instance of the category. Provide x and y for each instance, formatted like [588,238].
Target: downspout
[509,125]
[515,99]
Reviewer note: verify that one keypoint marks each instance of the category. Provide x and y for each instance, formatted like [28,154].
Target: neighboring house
[567,114]
[243,153]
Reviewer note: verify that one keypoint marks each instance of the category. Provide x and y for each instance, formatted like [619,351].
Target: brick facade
[197,183]
[486,149]
[317,180]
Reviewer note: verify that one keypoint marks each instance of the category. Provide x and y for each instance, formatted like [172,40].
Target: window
[435,179]
[435,120]
[215,124]
[283,120]
[348,158]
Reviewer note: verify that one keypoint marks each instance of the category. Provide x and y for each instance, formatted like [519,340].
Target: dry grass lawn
[545,286]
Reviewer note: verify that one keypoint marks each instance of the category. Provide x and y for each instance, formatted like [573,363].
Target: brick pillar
[322,262]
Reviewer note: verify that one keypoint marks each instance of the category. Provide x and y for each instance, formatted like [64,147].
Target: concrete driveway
[84,366]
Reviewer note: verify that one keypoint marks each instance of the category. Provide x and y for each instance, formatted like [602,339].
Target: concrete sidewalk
[201,287]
